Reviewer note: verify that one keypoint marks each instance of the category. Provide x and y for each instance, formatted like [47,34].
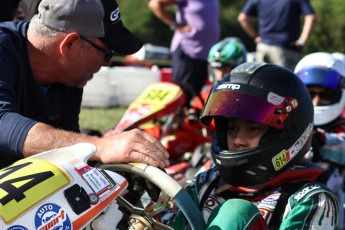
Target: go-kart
[57,189]
[160,110]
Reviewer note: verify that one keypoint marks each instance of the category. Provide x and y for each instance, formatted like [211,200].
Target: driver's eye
[232,128]
[326,94]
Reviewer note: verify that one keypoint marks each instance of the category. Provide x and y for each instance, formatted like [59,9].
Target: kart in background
[160,111]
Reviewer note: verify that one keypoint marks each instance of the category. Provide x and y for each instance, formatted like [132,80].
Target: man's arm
[308,27]
[130,146]
[248,26]
[158,7]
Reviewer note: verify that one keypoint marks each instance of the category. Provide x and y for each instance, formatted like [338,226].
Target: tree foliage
[329,34]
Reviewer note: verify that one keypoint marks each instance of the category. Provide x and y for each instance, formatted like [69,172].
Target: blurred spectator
[196,29]
[28,8]
[279,38]
[8,10]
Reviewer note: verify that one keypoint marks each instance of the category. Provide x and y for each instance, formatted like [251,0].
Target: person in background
[324,77]
[45,63]
[341,57]
[278,37]
[196,28]
[28,8]
[264,123]
[8,10]
[222,58]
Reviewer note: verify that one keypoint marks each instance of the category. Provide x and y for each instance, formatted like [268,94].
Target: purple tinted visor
[232,104]
[320,77]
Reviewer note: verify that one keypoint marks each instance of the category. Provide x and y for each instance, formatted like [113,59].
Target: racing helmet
[57,189]
[323,69]
[228,52]
[266,94]
[339,56]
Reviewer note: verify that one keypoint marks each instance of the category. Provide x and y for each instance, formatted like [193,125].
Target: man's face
[321,95]
[220,72]
[84,62]
[244,134]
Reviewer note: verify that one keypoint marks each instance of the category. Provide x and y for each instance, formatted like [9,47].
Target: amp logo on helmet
[229,86]
[52,216]
[115,15]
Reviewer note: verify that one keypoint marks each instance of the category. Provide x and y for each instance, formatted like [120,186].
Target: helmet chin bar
[328,113]
[247,167]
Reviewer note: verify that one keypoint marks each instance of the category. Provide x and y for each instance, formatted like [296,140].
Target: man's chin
[83,83]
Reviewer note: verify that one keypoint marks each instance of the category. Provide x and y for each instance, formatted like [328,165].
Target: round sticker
[52,216]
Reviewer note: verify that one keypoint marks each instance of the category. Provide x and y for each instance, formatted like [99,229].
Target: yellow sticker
[280,160]
[158,94]
[25,183]
[153,99]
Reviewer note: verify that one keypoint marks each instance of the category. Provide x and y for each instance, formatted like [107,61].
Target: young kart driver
[264,122]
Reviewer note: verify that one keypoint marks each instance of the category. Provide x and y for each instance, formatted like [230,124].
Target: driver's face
[220,72]
[321,96]
[244,134]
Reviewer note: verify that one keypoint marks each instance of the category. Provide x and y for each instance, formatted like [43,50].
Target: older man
[44,65]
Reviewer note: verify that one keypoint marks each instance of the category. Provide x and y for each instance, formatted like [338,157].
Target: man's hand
[132,146]
[183,28]
[129,146]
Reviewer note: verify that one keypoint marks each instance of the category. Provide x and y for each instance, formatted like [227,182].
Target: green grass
[100,119]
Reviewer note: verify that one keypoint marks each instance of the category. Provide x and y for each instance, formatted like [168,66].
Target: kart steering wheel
[164,189]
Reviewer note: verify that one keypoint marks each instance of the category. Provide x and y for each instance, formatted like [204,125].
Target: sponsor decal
[282,158]
[306,190]
[210,204]
[274,98]
[52,216]
[266,214]
[270,201]
[228,86]
[96,180]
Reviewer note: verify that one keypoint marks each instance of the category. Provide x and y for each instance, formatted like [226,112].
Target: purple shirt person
[196,28]
[202,16]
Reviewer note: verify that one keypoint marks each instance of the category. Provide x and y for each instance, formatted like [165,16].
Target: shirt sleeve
[306,7]
[250,8]
[14,127]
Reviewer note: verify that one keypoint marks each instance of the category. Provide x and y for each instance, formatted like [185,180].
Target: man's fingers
[148,159]
[135,146]
[155,145]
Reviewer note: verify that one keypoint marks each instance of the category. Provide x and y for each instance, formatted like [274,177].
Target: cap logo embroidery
[115,15]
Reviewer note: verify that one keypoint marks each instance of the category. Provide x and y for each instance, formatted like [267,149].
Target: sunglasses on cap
[108,54]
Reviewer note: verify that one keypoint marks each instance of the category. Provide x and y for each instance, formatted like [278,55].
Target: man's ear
[68,43]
